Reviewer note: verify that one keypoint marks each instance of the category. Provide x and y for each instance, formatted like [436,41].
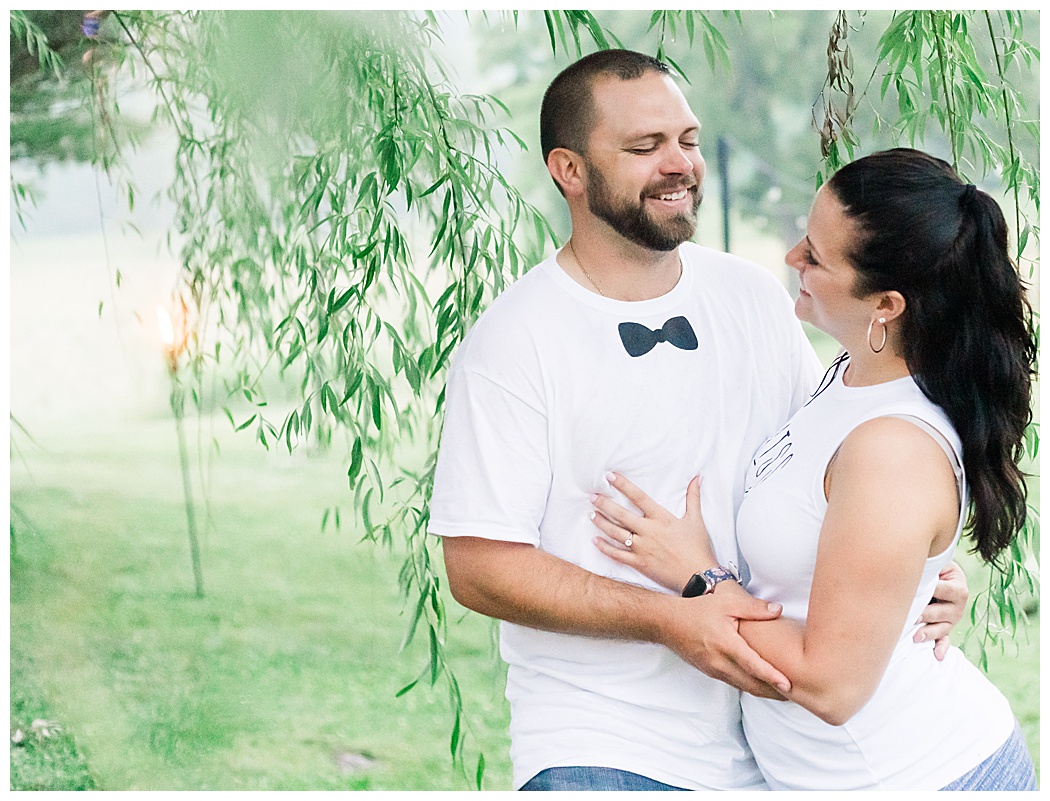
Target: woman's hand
[667,549]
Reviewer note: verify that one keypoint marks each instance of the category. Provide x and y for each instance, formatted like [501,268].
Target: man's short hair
[567,112]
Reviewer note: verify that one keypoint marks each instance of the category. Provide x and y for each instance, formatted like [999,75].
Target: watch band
[705,582]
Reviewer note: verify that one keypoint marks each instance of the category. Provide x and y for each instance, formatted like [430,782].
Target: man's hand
[945,611]
[524,585]
[706,635]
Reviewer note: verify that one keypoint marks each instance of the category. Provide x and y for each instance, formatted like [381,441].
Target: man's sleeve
[493,472]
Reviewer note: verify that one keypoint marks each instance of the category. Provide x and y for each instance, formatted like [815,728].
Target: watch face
[703,583]
[697,585]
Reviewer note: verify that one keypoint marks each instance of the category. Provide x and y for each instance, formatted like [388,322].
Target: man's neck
[620,270]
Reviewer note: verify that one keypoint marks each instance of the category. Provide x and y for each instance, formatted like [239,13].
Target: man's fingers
[748,684]
[932,631]
[755,666]
[951,592]
[951,586]
[940,648]
[938,613]
[747,608]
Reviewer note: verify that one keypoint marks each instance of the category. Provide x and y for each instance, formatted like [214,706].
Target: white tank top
[928,722]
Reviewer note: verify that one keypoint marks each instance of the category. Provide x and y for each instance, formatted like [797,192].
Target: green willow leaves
[343,221]
[342,216]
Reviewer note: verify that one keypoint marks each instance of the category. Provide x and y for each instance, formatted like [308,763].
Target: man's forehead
[655,103]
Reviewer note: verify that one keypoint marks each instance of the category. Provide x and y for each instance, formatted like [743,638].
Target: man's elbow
[465,566]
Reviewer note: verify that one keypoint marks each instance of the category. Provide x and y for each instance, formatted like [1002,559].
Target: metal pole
[723,174]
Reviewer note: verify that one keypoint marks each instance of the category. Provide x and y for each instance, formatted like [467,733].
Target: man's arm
[521,584]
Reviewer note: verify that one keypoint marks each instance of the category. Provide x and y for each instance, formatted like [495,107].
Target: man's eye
[690,144]
[644,150]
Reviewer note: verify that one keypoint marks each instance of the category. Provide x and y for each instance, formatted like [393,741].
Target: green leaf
[377,409]
[596,30]
[435,660]
[454,740]
[411,684]
[341,301]
[356,460]
[414,622]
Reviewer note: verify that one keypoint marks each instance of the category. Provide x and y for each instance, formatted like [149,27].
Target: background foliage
[344,212]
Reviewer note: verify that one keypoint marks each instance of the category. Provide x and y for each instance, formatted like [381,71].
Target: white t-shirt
[928,722]
[542,400]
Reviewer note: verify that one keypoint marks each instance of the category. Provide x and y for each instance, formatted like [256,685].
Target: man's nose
[677,160]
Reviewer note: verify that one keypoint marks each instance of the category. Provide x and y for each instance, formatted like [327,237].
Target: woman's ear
[566,168]
[891,305]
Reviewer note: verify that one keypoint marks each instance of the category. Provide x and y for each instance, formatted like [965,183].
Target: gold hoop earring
[882,321]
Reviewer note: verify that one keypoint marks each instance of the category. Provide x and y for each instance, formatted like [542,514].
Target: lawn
[283,677]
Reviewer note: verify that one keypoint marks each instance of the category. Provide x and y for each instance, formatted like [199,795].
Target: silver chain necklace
[595,283]
[584,269]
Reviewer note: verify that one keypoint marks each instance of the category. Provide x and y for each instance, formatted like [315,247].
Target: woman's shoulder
[892,454]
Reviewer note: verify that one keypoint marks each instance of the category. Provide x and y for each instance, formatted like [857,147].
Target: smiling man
[635,351]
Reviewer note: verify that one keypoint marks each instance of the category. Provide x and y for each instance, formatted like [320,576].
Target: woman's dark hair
[967,329]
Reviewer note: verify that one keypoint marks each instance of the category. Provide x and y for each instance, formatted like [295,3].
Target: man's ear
[567,169]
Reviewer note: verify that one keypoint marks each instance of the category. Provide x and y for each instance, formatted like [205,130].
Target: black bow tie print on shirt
[639,340]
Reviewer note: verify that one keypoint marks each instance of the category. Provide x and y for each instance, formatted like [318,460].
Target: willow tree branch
[952,121]
[1009,133]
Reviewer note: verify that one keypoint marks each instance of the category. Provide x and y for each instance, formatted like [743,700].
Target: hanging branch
[1016,188]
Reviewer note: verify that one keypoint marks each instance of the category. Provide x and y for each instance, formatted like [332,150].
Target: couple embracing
[716,569]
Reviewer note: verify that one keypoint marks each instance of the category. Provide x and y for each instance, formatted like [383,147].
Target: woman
[851,510]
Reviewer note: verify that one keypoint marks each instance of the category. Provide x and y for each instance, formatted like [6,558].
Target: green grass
[284,676]
[42,757]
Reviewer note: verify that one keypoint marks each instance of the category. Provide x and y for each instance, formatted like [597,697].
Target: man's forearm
[521,584]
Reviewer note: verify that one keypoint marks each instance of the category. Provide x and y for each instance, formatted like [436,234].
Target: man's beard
[634,222]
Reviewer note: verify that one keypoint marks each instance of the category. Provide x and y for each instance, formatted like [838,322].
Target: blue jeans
[592,778]
[1009,768]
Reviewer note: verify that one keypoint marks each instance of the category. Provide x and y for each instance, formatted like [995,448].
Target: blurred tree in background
[344,212]
[49,120]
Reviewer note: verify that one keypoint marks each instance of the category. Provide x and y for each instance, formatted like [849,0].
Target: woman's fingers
[692,500]
[616,513]
[647,505]
[610,529]
[614,552]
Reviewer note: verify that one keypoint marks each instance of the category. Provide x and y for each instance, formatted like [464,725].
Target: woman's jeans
[1009,768]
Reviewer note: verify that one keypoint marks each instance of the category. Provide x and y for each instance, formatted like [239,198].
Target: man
[627,351]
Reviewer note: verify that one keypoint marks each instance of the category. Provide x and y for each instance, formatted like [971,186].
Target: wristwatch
[705,582]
